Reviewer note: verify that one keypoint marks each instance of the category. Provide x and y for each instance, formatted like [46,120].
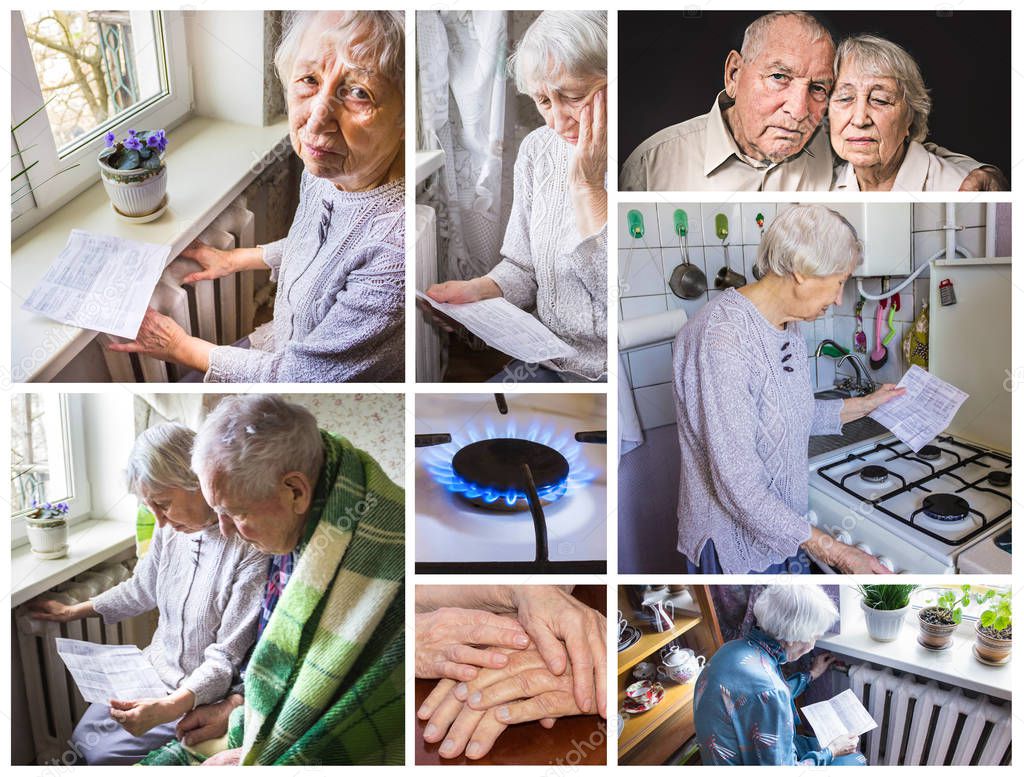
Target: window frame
[161,111]
[80,501]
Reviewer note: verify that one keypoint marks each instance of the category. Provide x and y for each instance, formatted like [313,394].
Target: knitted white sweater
[547,264]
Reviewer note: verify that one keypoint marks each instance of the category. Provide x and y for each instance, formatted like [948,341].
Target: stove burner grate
[929,453]
[947,508]
[873,473]
[999,478]
[492,470]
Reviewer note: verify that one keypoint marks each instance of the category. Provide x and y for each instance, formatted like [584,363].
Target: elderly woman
[878,120]
[340,272]
[206,588]
[556,244]
[746,409]
[743,706]
[324,683]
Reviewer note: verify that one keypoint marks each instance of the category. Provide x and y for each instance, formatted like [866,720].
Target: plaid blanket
[325,682]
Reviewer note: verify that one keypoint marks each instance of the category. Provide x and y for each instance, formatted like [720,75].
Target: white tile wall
[645,291]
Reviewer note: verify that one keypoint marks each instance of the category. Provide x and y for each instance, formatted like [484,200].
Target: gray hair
[253,440]
[883,58]
[795,613]
[811,240]
[161,459]
[573,42]
[757,31]
[381,50]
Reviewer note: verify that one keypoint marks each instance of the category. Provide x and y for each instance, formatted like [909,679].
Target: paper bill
[842,714]
[105,672]
[926,410]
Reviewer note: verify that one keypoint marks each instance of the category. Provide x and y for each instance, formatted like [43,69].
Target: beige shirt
[701,154]
[921,171]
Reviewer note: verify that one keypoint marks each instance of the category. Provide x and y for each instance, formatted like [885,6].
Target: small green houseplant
[938,621]
[994,629]
[134,172]
[885,607]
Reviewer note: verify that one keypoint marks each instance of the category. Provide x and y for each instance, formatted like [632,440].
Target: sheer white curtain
[463,94]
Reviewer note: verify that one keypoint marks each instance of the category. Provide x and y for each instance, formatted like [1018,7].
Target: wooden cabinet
[651,737]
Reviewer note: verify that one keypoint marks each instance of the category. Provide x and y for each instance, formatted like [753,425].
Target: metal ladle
[726,277]
[687,280]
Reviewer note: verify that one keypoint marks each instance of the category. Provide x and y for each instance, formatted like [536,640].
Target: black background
[671,66]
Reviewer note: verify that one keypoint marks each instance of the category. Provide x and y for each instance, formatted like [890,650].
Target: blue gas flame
[439,462]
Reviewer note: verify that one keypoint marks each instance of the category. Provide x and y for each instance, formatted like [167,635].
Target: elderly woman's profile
[554,257]
[340,272]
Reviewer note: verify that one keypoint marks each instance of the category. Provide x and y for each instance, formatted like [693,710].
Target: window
[47,459]
[77,75]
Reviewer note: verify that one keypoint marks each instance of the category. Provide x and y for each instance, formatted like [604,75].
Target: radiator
[220,311]
[920,723]
[428,339]
[54,703]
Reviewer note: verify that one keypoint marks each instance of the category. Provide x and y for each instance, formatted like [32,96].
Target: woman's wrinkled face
[869,119]
[346,120]
[815,293]
[182,510]
[795,650]
[561,97]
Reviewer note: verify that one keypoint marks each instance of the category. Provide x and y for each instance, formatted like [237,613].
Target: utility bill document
[926,410]
[842,714]
[506,328]
[105,672]
[100,282]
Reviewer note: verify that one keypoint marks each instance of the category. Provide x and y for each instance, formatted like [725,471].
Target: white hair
[795,613]
[250,442]
[161,459]
[380,35]
[811,240]
[573,42]
[882,58]
[757,31]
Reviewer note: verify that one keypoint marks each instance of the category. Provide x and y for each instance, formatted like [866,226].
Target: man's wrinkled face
[782,94]
[269,524]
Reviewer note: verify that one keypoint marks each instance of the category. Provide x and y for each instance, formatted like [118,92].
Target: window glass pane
[39,456]
[94,66]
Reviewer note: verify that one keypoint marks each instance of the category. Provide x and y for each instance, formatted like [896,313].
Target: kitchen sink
[853,432]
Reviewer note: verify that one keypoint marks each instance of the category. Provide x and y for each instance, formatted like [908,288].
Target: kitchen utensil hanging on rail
[687,280]
[726,277]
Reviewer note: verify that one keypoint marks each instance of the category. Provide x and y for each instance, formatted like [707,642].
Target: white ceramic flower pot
[883,625]
[135,192]
[48,539]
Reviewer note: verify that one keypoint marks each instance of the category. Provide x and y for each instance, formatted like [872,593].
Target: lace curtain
[463,96]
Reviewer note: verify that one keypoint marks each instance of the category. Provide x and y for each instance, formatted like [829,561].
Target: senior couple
[277,573]
[505,655]
[768,130]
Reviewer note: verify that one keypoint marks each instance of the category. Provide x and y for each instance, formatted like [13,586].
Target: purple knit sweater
[745,412]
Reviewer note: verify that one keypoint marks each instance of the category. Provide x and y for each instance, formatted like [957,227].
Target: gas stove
[510,483]
[929,512]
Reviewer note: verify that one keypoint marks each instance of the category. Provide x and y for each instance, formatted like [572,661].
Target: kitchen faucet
[858,386]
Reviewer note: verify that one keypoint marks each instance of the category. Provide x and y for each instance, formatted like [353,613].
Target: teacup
[645,670]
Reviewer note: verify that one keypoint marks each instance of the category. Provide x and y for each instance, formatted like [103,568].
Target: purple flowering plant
[48,511]
[136,151]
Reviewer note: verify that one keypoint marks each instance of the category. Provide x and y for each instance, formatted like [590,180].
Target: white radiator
[220,311]
[54,703]
[920,723]
[428,339]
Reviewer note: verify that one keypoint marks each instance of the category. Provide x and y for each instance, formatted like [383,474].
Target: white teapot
[680,664]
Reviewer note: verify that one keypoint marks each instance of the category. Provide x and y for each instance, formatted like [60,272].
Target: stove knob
[887,563]
[812,518]
[842,535]
[865,548]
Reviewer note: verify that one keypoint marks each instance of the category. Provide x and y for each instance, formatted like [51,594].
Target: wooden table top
[578,740]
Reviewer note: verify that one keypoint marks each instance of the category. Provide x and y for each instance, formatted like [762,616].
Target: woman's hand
[140,715]
[52,610]
[844,744]
[854,561]
[225,758]
[552,617]
[588,166]
[820,664]
[162,338]
[207,721]
[445,640]
[858,407]
[456,293]
[215,262]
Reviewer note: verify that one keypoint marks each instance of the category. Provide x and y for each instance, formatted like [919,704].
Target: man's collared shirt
[701,154]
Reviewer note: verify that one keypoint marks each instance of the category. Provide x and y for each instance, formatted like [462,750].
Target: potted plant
[994,630]
[938,621]
[47,530]
[884,608]
[133,171]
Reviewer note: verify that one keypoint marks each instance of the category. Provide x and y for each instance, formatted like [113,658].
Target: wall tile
[750,234]
[655,405]
[649,366]
[691,306]
[732,211]
[636,307]
[666,224]
[932,215]
[650,213]
[640,272]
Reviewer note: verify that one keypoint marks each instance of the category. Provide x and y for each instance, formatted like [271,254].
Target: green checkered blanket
[325,681]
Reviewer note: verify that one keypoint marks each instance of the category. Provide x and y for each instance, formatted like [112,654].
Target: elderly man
[762,133]
[324,683]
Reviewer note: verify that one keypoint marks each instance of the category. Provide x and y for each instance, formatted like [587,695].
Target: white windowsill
[955,666]
[427,162]
[209,163]
[90,542]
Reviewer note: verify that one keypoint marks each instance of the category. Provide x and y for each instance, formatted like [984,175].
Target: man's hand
[985,179]
[208,721]
[446,640]
[225,758]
